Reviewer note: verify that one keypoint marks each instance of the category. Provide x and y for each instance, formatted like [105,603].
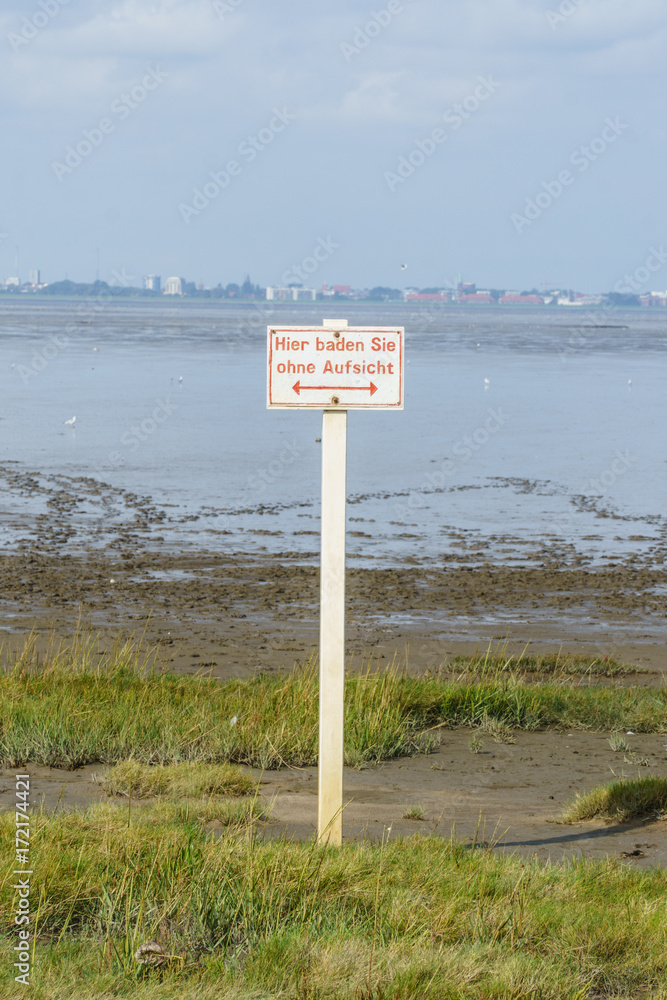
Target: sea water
[524,431]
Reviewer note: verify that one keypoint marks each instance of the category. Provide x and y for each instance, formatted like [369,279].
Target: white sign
[336,368]
[350,368]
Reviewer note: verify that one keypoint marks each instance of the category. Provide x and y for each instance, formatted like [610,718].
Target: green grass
[418,918]
[494,660]
[175,855]
[79,706]
[187,793]
[621,801]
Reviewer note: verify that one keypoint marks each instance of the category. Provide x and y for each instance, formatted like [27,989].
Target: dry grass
[187,780]
[414,812]
[496,728]
[496,659]
[622,801]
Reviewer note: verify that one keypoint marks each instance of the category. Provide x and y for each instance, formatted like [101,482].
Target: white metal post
[332,623]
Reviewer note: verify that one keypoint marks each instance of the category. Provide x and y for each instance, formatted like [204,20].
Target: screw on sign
[335,368]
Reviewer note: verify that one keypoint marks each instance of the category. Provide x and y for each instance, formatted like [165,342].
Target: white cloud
[377,97]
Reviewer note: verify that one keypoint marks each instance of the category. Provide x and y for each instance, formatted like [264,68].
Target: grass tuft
[621,801]
[497,660]
[188,780]
[414,812]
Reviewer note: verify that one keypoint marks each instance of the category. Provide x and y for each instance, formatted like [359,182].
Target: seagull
[487,382]
[70,423]
[629,381]
[180,378]
[403,267]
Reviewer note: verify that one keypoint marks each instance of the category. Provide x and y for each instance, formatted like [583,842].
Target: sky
[520,143]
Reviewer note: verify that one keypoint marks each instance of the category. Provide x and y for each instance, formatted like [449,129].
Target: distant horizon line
[466,292]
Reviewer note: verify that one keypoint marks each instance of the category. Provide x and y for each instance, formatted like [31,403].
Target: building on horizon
[516,299]
[153,283]
[654,299]
[478,298]
[174,286]
[410,296]
[465,287]
[34,277]
[291,293]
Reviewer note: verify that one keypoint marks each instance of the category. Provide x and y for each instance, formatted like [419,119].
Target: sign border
[299,405]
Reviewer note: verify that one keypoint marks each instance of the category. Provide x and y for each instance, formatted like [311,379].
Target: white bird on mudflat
[70,423]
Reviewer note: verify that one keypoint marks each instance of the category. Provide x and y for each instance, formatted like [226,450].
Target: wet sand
[507,795]
[233,615]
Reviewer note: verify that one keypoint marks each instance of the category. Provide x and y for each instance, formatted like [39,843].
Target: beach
[518,513]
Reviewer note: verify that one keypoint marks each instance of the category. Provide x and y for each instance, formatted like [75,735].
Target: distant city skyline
[467,293]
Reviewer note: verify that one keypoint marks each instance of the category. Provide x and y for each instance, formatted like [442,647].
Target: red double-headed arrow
[298,388]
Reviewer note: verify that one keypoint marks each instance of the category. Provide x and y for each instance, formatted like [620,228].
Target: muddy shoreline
[233,614]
